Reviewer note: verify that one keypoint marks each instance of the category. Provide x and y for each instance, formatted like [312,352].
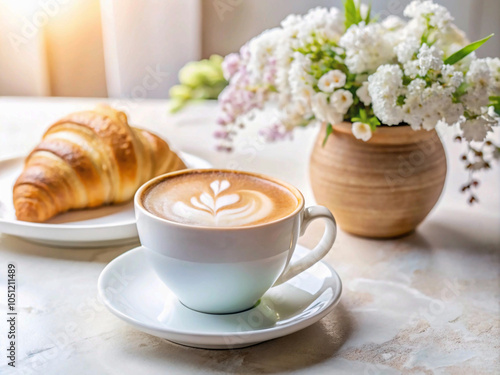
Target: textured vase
[381,188]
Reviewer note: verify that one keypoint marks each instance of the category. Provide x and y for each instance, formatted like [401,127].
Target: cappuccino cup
[219,239]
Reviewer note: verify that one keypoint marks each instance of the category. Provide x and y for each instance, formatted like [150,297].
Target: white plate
[102,226]
[130,289]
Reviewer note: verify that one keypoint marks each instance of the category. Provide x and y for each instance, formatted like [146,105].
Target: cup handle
[321,249]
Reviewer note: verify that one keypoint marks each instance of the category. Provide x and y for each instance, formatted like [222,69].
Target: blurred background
[134,49]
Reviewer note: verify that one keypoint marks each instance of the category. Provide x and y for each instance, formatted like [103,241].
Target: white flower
[479,73]
[341,100]
[384,86]
[438,16]
[413,111]
[260,49]
[323,111]
[476,129]
[291,21]
[424,107]
[433,20]
[361,131]
[452,77]
[317,16]
[494,66]
[491,113]
[406,49]
[416,87]
[411,69]
[331,80]
[477,78]
[363,94]
[283,63]
[328,25]
[393,22]
[429,58]
[292,68]
[299,73]
[304,94]
[417,104]
[294,115]
[366,47]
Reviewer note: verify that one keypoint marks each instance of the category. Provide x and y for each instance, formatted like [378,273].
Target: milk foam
[215,208]
[219,201]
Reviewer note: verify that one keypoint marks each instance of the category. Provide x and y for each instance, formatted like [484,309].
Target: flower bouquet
[330,67]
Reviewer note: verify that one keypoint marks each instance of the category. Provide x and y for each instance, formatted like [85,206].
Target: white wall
[146,43]
[64,55]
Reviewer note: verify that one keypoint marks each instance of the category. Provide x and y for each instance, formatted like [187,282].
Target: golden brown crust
[40,191]
[165,160]
[88,159]
[116,136]
[82,165]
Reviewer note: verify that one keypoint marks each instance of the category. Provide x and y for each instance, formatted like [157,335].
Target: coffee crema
[219,199]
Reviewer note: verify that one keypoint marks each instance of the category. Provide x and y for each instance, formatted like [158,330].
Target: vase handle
[320,250]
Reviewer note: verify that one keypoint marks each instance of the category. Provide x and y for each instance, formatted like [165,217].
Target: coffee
[219,199]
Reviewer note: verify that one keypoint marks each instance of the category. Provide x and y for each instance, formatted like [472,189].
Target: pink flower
[244,94]
[270,72]
[275,132]
[230,65]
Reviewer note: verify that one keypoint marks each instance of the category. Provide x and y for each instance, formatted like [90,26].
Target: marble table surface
[427,303]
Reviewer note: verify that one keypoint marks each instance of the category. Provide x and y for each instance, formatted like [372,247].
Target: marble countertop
[423,304]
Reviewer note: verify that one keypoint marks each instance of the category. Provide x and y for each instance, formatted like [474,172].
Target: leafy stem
[460,54]
[329,130]
[353,16]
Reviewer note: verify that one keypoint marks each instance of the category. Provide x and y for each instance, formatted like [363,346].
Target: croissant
[89,159]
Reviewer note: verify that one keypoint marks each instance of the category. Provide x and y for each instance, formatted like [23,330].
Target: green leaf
[495,102]
[401,100]
[368,13]
[352,13]
[461,89]
[329,130]
[374,121]
[362,115]
[358,14]
[460,54]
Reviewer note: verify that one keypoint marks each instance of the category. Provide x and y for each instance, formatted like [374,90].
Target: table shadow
[302,349]
[416,240]
[437,235]
[458,238]
[18,245]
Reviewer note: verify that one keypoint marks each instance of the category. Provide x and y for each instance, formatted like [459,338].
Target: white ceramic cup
[228,269]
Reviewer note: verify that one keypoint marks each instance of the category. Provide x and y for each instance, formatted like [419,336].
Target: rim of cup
[138,198]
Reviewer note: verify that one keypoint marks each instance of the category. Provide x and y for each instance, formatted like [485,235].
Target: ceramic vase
[381,188]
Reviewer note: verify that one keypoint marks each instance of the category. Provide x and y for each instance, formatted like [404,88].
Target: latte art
[219,209]
[219,199]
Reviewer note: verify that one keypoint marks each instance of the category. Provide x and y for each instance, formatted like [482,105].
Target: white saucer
[130,290]
[109,225]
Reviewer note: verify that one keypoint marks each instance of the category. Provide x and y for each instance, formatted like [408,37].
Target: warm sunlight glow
[24,7]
